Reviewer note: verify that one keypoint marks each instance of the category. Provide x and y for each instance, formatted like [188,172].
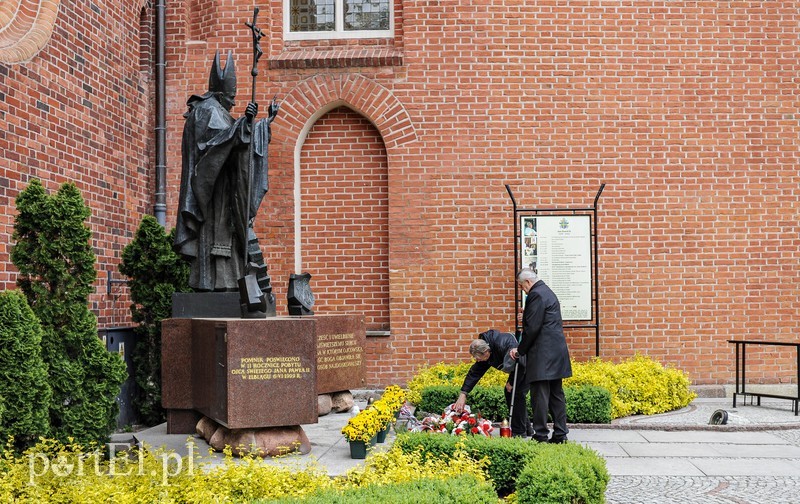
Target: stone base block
[264,442]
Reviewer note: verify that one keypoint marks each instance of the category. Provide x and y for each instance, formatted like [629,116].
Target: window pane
[311,15]
[366,14]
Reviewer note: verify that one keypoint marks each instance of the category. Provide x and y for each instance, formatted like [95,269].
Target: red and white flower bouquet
[455,424]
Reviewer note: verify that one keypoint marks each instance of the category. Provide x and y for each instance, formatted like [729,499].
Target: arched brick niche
[25,28]
[346,128]
[314,97]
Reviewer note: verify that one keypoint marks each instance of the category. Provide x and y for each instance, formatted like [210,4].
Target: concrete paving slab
[606,436]
[747,467]
[670,449]
[651,466]
[705,436]
[758,451]
[605,449]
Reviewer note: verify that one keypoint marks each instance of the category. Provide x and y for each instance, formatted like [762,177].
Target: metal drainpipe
[160,207]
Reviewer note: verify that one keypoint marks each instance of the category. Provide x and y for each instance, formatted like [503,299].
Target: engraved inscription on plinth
[340,353]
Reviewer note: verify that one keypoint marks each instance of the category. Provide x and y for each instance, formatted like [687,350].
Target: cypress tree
[56,264]
[155,273]
[23,374]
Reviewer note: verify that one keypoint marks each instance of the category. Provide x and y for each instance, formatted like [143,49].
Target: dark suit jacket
[543,336]
[500,343]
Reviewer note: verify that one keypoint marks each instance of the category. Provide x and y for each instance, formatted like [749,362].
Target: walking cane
[513,392]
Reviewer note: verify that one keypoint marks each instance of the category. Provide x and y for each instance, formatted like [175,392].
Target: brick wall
[689,112]
[78,110]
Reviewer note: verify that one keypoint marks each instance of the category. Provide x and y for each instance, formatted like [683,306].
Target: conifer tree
[155,273]
[56,264]
[23,374]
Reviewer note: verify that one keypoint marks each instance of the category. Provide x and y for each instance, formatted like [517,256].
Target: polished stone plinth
[256,373]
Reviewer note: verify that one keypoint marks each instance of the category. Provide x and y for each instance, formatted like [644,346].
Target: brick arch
[314,97]
[318,95]
[25,28]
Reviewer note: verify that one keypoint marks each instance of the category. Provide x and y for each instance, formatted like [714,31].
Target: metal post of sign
[596,270]
[517,333]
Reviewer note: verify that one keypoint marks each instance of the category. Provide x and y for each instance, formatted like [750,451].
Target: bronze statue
[223,181]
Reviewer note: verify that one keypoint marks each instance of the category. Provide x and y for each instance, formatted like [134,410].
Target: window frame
[339,32]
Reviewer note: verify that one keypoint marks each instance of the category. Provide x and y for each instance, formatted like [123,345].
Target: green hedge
[585,404]
[585,474]
[457,490]
[563,473]
[588,404]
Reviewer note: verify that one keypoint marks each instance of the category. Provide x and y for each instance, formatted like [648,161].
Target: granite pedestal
[257,373]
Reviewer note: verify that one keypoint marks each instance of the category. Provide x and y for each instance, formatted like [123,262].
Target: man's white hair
[527,274]
[478,347]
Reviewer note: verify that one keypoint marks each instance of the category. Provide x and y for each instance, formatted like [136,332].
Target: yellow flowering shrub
[53,473]
[638,385]
[449,374]
[394,466]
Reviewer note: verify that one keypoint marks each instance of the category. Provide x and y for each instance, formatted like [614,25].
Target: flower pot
[358,449]
[382,434]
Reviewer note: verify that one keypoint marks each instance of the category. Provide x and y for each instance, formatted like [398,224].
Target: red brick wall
[79,110]
[687,111]
[344,217]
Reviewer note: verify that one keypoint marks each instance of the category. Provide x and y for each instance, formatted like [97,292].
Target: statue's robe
[216,208]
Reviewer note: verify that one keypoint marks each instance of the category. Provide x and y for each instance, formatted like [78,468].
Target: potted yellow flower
[360,430]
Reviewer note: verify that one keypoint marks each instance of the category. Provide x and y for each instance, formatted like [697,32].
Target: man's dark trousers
[548,395]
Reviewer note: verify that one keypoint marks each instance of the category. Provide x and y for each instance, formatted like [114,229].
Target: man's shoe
[539,440]
[555,440]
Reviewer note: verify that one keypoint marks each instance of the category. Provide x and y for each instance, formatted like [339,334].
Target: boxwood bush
[563,473]
[588,404]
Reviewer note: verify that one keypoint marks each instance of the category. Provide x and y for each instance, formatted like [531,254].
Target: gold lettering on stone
[271,368]
[337,351]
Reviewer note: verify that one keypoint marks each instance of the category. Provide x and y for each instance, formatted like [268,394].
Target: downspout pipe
[160,207]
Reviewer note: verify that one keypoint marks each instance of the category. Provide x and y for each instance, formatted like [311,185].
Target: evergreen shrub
[55,260]
[23,375]
[588,404]
[155,272]
[563,473]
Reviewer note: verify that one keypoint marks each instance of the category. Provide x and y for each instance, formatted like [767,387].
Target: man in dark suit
[492,349]
[548,362]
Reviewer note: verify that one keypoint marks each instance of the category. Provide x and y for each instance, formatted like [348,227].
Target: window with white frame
[332,19]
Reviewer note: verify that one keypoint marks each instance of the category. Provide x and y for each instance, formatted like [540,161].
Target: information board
[559,249]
